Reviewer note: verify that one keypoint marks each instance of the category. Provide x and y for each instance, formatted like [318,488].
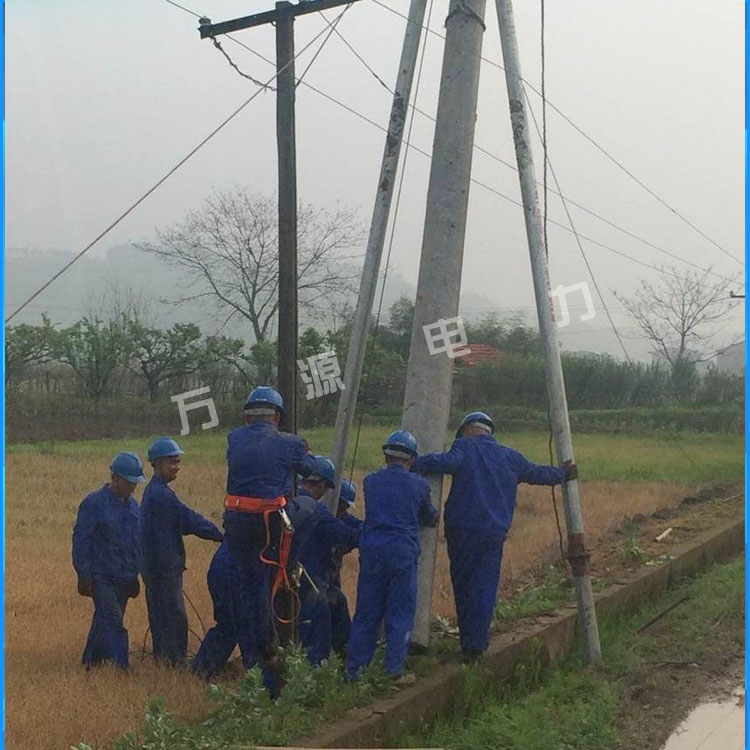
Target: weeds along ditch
[242,715]
[570,706]
[563,706]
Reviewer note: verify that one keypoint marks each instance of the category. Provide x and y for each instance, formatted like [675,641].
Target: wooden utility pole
[577,553]
[378,225]
[429,376]
[283,17]
[287,157]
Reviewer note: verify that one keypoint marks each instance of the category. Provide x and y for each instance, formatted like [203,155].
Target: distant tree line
[121,356]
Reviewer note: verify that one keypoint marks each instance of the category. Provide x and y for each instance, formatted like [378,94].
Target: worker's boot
[471,656]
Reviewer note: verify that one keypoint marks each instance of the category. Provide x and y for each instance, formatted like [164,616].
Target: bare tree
[229,251]
[681,314]
[121,302]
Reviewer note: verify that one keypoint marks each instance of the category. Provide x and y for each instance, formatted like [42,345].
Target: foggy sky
[103,97]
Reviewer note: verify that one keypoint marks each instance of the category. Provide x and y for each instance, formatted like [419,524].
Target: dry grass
[53,703]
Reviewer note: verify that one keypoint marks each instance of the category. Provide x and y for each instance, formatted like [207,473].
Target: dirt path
[632,543]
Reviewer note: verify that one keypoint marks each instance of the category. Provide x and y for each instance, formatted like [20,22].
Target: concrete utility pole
[283,17]
[577,553]
[378,225]
[429,377]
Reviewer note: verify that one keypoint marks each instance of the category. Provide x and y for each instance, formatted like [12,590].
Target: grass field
[52,703]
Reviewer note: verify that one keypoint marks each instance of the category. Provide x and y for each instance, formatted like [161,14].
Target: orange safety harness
[266,506]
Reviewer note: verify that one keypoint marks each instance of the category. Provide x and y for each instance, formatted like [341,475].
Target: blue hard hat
[348,492]
[163,447]
[324,470]
[262,396]
[476,416]
[401,441]
[128,466]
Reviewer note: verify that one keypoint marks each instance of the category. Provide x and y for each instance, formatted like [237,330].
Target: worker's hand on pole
[570,469]
[134,588]
[86,587]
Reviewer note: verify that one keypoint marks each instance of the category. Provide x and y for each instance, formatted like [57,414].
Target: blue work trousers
[341,621]
[246,539]
[386,592]
[221,639]
[314,623]
[108,638]
[475,559]
[167,617]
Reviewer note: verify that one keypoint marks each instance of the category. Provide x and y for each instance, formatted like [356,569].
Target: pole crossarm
[209,30]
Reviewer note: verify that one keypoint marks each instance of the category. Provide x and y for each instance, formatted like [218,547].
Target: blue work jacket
[301,512]
[397,503]
[105,536]
[337,557]
[486,475]
[165,519]
[261,461]
[327,534]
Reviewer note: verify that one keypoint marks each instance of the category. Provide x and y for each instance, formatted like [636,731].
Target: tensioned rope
[507,164]
[391,238]
[543,136]
[481,184]
[589,138]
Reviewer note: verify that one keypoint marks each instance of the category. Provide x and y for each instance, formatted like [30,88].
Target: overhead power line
[474,180]
[547,162]
[594,143]
[514,168]
[323,43]
[163,179]
[394,220]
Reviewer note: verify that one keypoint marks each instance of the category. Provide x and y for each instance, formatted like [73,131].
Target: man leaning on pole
[478,514]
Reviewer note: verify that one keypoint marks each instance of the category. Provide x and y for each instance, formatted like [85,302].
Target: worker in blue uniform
[261,466]
[323,533]
[478,514]
[105,558]
[397,502]
[341,620]
[224,586]
[165,519]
